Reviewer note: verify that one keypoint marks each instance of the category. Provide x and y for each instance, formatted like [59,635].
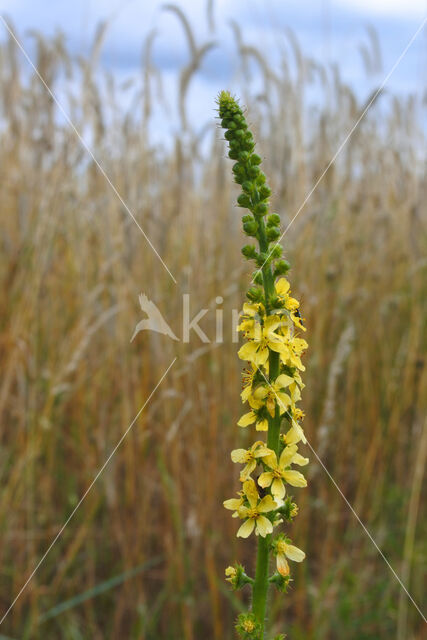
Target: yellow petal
[246,393]
[265,479]
[295,478]
[263,526]
[246,472]
[266,504]
[248,351]
[251,492]
[276,346]
[262,425]
[282,565]
[263,451]
[300,460]
[283,381]
[282,287]
[294,553]
[250,309]
[271,460]
[261,356]
[287,455]
[233,504]
[239,455]
[292,436]
[278,489]
[246,529]
[247,419]
[284,401]
[260,392]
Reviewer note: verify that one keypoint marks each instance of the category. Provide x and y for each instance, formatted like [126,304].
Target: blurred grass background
[145,554]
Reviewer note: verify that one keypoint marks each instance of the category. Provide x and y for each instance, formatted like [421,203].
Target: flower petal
[282,287]
[246,529]
[265,479]
[278,489]
[251,492]
[282,565]
[266,504]
[239,455]
[246,472]
[300,460]
[248,351]
[295,478]
[283,381]
[247,419]
[262,425]
[233,504]
[263,526]
[294,553]
[286,457]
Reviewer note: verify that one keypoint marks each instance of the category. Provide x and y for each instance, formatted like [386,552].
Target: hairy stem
[260,587]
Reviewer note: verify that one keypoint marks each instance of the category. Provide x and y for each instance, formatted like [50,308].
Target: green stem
[261,584]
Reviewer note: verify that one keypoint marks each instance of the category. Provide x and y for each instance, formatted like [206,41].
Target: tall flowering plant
[272,326]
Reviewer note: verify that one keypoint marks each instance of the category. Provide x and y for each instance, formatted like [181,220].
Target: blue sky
[329,30]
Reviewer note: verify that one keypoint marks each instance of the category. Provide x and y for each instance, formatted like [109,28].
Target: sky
[328,30]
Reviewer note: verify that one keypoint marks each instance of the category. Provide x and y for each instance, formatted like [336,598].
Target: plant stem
[260,587]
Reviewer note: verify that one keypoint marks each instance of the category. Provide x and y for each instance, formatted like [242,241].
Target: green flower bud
[244,156]
[237,577]
[247,218]
[239,120]
[255,159]
[252,171]
[273,220]
[260,178]
[239,133]
[257,276]
[254,294]
[229,135]
[233,154]
[276,251]
[261,209]
[244,200]
[250,228]
[247,186]
[273,233]
[262,259]
[249,251]
[264,192]
[281,268]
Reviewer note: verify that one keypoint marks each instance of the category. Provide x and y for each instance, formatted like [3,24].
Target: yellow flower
[249,315]
[231,574]
[261,423]
[283,291]
[284,550]
[248,378]
[261,339]
[295,433]
[292,349]
[234,504]
[253,513]
[273,393]
[279,472]
[249,457]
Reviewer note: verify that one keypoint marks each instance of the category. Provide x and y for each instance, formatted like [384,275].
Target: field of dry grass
[72,265]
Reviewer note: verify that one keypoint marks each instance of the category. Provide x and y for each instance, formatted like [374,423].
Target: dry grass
[72,265]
